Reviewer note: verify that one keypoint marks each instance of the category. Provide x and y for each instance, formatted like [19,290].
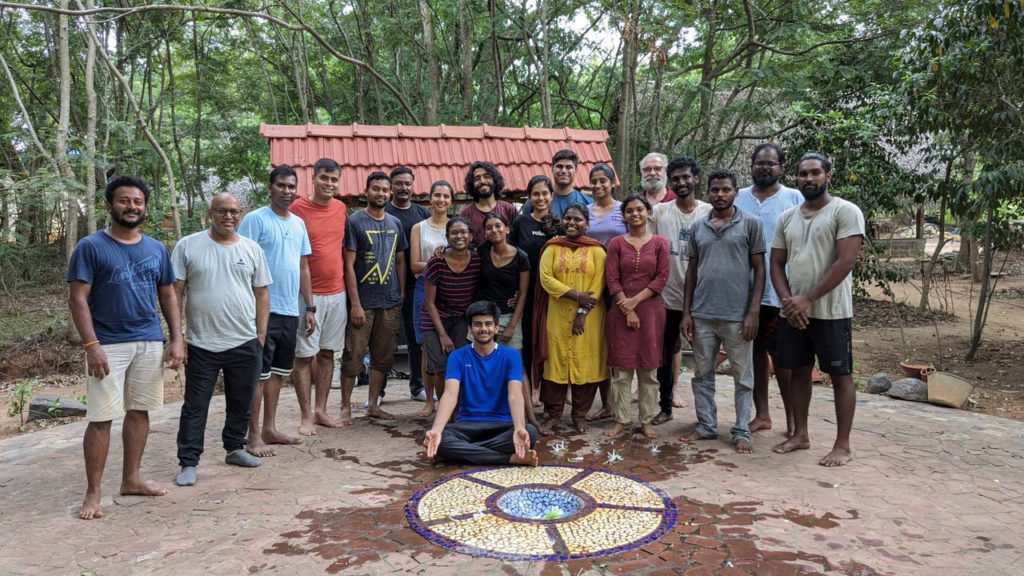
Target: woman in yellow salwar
[570,319]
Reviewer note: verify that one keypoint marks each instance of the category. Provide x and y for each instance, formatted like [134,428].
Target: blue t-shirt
[560,203]
[284,241]
[123,280]
[769,212]
[483,382]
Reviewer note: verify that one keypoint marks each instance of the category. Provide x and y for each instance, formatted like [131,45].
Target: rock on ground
[911,389]
[878,384]
[53,406]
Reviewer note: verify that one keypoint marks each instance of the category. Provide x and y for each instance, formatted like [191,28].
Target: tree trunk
[175,139]
[545,81]
[466,45]
[433,67]
[90,123]
[627,98]
[66,175]
[658,71]
[499,69]
[368,46]
[197,126]
[706,87]
[984,295]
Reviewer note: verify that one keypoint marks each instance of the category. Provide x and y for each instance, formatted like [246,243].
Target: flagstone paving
[931,491]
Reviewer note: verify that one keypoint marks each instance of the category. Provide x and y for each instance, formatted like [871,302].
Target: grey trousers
[708,336]
[480,442]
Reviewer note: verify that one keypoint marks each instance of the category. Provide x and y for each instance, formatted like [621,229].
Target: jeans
[241,368]
[472,442]
[708,337]
[409,321]
[669,347]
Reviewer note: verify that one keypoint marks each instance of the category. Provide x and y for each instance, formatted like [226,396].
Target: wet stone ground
[931,491]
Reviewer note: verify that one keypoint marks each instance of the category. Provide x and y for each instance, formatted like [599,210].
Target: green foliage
[20,399]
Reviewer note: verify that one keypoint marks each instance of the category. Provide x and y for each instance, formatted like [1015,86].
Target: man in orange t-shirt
[324,217]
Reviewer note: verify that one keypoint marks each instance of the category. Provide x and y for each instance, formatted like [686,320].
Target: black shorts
[767,330]
[279,347]
[830,340]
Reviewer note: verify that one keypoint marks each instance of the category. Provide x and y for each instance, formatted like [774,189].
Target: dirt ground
[940,337]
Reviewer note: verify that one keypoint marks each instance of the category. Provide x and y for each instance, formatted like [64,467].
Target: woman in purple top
[638,268]
[452,278]
[605,213]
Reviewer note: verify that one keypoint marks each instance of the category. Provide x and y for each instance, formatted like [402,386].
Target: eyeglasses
[227,212]
[652,169]
[765,164]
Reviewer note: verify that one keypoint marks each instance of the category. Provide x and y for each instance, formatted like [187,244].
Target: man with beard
[116,276]
[324,217]
[222,283]
[724,281]
[653,179]
[563,175]
[409,214]
[673,221]
[813,253]
[485,382]
[285,243]
[767,199]
[375,249]
[485,184]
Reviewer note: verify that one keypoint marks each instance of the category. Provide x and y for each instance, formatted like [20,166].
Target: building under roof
[433,152]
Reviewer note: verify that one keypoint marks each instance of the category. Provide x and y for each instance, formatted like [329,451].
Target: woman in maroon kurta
[638,267]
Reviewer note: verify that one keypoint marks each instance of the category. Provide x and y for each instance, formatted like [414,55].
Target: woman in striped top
[452,278]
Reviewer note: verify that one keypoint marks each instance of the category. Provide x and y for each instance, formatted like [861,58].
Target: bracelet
[90,343]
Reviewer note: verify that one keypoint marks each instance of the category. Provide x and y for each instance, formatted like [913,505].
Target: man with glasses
[654,179]
[222,279]
[767,199]
[563,175]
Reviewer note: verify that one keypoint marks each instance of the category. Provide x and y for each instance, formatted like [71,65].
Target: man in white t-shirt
[222,278]
[813,253]
[673,221]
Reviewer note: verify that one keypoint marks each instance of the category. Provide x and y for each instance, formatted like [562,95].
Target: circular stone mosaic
[550,513]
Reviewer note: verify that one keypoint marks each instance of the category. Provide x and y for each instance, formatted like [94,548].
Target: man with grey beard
[653,179]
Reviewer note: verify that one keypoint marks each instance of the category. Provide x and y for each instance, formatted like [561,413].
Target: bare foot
[743,446]
[530,459]
[322,419]
[615,430]
[604,414]
[91,507]
[140,489]
[837,457]
[272,436]
[581,426]
[794,443]
[648,431]
[346,417]
[545,430]
[790,431]
[378,414]
[678,402]
[258,448]
[692,437]
[428,409]
[308,428]
[760,424]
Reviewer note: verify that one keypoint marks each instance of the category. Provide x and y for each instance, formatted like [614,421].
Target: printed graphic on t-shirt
[382,252]
[682,250]
[141,274]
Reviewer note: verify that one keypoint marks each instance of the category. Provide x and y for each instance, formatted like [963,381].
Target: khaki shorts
[380,334]
[331,319]
[135,381]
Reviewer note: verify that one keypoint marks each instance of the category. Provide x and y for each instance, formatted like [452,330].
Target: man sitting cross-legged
[485,380]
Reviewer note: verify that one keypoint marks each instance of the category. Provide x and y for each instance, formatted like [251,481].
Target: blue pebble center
[539,504]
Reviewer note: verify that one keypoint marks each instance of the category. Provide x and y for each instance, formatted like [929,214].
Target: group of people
[571,297]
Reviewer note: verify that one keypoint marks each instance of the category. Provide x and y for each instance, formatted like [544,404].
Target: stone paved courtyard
[931,491]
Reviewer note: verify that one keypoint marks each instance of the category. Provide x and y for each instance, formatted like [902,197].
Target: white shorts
[331,320]
[135,381]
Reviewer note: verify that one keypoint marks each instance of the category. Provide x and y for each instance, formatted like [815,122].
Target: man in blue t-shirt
[485,380]
[116,276]
[563,176]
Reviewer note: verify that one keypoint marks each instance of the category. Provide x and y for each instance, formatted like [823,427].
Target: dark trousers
[480,442]
[669,346]
[415,353]
[553,396]
[241,368]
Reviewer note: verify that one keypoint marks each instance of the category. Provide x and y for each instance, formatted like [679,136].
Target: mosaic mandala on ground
[551,513]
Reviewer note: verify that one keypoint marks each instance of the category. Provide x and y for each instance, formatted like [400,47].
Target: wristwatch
[582,310]
[311,309]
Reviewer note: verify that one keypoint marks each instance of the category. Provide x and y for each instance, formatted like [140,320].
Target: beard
[652,185]
[765,180]
[130,224]
[484,191]
[812,192]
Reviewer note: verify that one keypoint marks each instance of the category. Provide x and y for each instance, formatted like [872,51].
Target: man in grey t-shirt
[724,283]
[223,279]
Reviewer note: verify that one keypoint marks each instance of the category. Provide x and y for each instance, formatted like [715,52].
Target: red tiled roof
[433,152]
